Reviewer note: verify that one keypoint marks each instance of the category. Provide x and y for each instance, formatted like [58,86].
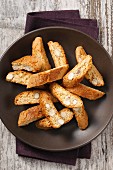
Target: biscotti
[77,74]
[20,77]
[67,99]
[47,76]
[93,74]
[57,53]
[81,117]
[50,111]
[30,115]
[39,52]
[28,63]
[86,91]
[31,97]
[65,113]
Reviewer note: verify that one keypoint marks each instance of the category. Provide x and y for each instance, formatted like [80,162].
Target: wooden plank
[12,23]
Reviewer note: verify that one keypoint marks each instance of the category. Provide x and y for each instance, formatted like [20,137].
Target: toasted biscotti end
[86,92]
[39,52]
[67,99]
[44,124]
[30,115]
[80,54]
[65,113]
[81,117]
[94,77]
[50,111]
[31,97]
[57,53]
[28,63]
[77,74]
[20,77]
[47,76]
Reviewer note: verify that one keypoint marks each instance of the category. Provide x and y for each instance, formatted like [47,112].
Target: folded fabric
[67,18]
[86,22]
[56,14]
[34,23]
[67,157]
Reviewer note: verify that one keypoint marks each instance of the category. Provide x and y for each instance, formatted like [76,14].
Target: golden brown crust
[67,99]
[81,117]
[44,124]
[86,92]
[65,113]
[93,75]
[39,52]
[50,111]
[57,53]
[47,76]
[31,97]
[30,115]
[28,63]
[20,77]
[77,74]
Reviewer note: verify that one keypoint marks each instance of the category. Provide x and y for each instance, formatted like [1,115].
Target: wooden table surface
[12,22]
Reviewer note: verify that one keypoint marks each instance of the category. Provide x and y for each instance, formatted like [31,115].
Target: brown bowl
[68,136]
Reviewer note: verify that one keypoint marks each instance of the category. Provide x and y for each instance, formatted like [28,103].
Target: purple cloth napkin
[67,18]
[56,14]
[87,26]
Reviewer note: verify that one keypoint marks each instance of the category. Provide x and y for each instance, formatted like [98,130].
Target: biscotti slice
[81,117]
[39,52]
[50,111]
[86,92]
[20,77]
[30,115]
[47,76]
[93,75]
[30,97]
[65,113]
[57,53]
[28,63]
[65,97]
[77,74]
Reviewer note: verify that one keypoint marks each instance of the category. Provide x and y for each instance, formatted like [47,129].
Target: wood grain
[12,23]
